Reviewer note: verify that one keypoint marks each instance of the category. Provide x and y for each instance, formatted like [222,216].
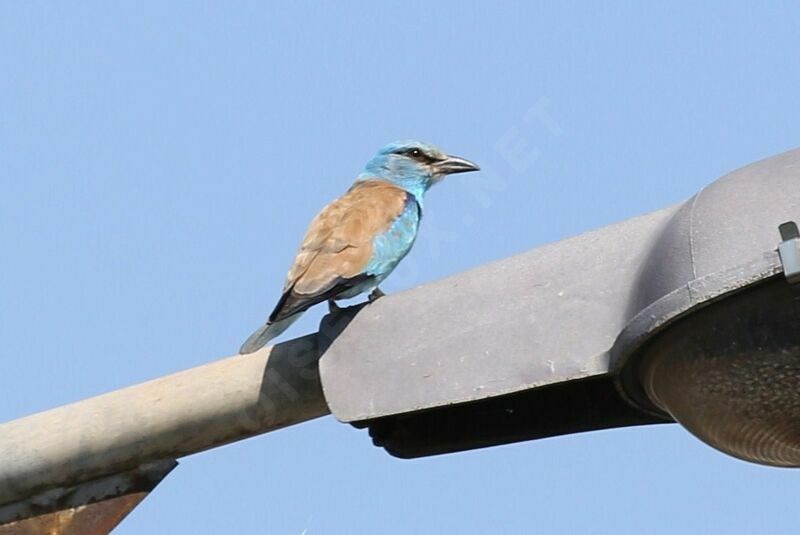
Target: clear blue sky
[160,162]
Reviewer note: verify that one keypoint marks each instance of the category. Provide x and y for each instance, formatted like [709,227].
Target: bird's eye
[415,153]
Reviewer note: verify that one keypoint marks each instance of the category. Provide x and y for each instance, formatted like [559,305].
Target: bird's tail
[265,333]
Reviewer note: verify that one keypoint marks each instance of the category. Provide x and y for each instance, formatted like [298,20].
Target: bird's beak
[454,164]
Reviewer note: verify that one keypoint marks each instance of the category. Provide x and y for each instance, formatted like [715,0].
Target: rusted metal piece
[95,519]
[92,508]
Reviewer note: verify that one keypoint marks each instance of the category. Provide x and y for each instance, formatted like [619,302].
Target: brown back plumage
[338,245]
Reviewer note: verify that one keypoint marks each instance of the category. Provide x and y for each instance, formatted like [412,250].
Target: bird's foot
[375,294]
[333,307]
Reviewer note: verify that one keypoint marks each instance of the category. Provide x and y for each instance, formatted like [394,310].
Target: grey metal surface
[546,316]
[727,236]
[167,418]
[575,309]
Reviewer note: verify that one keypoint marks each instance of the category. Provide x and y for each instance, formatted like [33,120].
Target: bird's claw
[375,294]
[333,307]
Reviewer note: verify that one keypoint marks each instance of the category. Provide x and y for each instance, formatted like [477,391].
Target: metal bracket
[789,250]
[90,508]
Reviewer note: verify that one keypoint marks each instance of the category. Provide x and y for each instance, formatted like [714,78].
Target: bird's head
[414,166]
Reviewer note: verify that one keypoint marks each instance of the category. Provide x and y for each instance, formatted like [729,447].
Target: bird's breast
[392,245]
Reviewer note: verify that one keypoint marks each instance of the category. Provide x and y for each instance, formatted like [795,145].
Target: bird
[357,240]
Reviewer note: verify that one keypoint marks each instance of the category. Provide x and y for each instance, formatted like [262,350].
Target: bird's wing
[339,244]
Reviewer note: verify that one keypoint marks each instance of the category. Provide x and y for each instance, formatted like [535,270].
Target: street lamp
[687,314]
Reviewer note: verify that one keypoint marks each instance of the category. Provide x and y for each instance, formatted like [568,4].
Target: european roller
[356,241]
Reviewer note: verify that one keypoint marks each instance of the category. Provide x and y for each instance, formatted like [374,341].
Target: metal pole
[167,418]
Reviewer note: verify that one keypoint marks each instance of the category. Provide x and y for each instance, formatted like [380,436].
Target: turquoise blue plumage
[356,241]
[390,247]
